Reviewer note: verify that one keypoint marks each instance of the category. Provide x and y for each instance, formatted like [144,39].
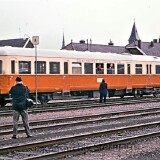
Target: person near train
[103,91]
[19,93]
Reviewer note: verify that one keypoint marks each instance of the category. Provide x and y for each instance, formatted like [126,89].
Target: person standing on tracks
[19,94]
[103,91]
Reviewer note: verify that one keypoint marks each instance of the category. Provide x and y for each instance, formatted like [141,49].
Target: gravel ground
[148,150]
[49,115]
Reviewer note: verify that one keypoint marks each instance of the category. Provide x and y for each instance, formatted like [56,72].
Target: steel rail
[79,120]
[84,106]
[64,139]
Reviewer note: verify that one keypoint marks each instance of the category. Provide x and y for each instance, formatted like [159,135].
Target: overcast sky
[99,20]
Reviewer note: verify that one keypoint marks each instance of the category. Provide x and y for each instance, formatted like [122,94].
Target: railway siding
[92,137]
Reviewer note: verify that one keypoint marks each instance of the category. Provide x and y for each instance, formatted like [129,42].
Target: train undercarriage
[45,97]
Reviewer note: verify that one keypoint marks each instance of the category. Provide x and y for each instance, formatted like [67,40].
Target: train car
[73,73]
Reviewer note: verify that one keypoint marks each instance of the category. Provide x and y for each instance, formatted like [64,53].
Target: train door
[1,67]
[149,82]
[66,80]
[149,73]
[129,79]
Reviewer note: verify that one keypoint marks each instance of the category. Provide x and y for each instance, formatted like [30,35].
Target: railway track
[81,104]
[79,120]
[75,135]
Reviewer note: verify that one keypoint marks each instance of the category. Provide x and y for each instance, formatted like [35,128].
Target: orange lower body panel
[61,83]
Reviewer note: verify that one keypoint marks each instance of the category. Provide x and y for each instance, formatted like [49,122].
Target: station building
[19,42]
[135,46]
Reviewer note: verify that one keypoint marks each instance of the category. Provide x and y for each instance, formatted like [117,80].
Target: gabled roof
[143,48]
[149,48]
[20,42]
[96,48]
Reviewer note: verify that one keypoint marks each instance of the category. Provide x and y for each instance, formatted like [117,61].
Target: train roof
[13,51]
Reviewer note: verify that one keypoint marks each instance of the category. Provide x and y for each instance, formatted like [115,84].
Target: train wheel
[122,96]
[137,95]
[141,95]
[157,95]
[2,102]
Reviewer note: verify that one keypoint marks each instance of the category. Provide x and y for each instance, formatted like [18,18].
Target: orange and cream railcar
[77,73]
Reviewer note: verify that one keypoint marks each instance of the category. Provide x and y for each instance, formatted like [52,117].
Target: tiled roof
[96,48]
[20,42]
[149,48]
[135,46]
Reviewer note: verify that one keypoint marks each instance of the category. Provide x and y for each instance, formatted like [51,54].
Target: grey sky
[99,20]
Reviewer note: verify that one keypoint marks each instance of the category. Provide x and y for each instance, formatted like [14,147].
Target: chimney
[87,44]
[152,44]
[139,44]
[155,40]
[82,41]
[111,43]
[90,41]
[90,44]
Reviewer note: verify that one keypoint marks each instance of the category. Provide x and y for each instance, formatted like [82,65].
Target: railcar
[73,73]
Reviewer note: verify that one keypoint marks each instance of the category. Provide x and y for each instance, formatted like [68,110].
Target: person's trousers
[102,98]
[24,115]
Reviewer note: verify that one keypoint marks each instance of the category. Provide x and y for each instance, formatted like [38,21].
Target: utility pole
[35,41]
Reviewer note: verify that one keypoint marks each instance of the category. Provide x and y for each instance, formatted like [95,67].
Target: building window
[99,68]
[157,69]
[54,67]
[76,68]
[25,67]
[120,69]
[41,67]
[110,68]
[88,68]
[138,68]
[13,67]
[0,66]
[65,67]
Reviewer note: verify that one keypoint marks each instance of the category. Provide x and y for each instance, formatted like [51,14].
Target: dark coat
[19,96]
[103,88]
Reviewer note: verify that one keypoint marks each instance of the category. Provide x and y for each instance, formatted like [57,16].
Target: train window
[25,67]
[0,66]
[147,68]
[128,69]
[138,68]
[41,67]
[157,69]
[88,68]
[150,66]
[99,68]
[65,67]
[110,68]
[120,69]
[76,68]
[13,67]
[54,67]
